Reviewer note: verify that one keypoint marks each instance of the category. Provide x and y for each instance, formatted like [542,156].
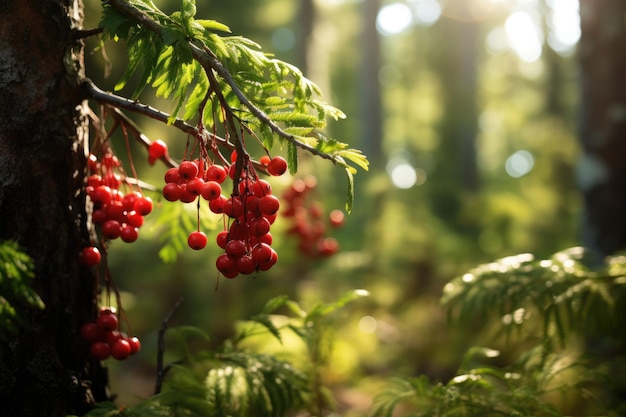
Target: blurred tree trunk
[43,132]
[372,132]
[456,64]
[602,173]
[306,19]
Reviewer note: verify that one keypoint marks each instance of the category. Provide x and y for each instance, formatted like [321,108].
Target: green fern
[569,292]
[16,293]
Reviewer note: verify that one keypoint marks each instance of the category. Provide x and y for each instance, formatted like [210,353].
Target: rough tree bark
[43,132]
[602,54]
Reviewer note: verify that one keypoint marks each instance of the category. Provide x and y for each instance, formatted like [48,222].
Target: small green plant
[16,293]
[238,381]
[575,356]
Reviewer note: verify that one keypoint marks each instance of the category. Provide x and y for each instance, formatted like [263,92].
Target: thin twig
[161,347]
[141,137]
[85,33]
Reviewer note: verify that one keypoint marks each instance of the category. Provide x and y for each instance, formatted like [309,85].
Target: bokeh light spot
[393,19]
[368,324]
[519,164]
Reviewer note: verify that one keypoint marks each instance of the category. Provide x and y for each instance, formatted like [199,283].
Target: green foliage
[223,80]
[568,292]
[237,382]
[574,296]
[16,294]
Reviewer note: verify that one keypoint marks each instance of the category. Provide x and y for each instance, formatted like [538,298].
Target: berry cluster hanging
[249,208]
[310,224]
[118,207]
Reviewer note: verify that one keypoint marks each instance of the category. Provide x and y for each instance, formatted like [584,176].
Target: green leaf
[292,158]
[188,8]
[350,195]
[212,25]
[355,156]
[266,321]
[321,310]
[274,303]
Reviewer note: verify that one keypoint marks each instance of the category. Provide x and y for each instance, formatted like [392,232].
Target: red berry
[262,188]
[111,229]
[101,195]
[110,161]
[262,253]
[135,345]
[233,207]
[197,240]
[91,332]
[94,180]
[113,336]
[120,350]
[99,216]
[90,256]
[226,265]
[186,196]
[259,226]
[157,149]
[264,160]
[235,248]
[92,162]
[107,320]
[222,239]
[269,204]
[172,176]
[211,190]
[100,350]
[217,205]
[172,191]
[336,217]
[194,186]
[129,233]
[246,265]
[143,205]
[277,166]
[216,173]
[266,238]
[128,201]
[188,170]
[328,246]
[115,210]
[264,266]
[134,219]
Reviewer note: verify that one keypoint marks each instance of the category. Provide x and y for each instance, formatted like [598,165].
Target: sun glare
[393,19]
[524,36]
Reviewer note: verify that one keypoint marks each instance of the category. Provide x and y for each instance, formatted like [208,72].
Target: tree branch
[117,102]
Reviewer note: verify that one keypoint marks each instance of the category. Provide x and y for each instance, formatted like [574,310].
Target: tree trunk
[457,65]
[602,170]
[371,113]
[43,136]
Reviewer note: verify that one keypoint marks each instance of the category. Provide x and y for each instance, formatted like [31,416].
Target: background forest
[467,111]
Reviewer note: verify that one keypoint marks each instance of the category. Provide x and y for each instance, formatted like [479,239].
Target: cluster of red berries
[309,221]
[117,214]
[105,338]
[250,209]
